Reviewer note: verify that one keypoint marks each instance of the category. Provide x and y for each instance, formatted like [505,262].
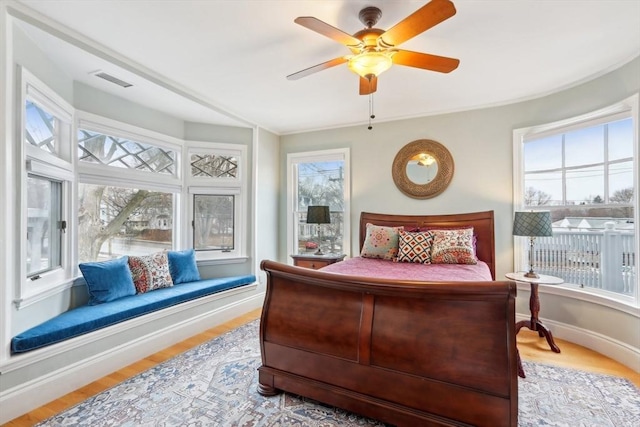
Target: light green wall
[267,169]
[481,144]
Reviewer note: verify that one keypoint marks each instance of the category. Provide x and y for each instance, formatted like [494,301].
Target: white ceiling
[197,58]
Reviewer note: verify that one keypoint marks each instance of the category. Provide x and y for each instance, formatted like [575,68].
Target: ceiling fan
[375,50]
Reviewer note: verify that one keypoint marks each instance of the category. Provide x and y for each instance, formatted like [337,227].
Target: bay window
[585,172]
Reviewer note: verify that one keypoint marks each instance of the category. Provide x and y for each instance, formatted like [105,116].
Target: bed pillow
[415,247]
[107,280]
[381,242]
[150,272]
[183,267]
[454,246]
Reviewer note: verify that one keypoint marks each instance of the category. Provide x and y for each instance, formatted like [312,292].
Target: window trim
[217,186]
[55,167]
[628,107]
[337,154]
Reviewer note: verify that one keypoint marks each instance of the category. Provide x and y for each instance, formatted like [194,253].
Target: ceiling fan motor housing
[370,16]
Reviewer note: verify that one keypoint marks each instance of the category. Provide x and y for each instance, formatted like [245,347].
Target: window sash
[44,231]
[214,222]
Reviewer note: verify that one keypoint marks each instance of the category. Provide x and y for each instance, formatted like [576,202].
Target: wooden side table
[534,307]
[316,261]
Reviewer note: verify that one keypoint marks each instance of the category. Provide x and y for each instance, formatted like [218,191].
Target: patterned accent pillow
[150,272]
[415,247]
[381,242]
[453,247]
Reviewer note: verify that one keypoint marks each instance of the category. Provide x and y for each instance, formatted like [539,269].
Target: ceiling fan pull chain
[371,115]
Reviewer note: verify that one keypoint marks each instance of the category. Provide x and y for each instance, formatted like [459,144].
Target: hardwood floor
[531,347]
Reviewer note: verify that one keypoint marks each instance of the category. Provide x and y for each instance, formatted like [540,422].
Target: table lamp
[318,215]
[532,224]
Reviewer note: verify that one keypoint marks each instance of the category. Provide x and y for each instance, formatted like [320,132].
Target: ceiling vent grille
[112,79]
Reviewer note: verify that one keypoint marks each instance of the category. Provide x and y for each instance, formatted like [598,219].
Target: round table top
[542,280]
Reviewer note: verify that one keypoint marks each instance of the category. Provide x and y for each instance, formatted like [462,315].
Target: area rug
[215,383]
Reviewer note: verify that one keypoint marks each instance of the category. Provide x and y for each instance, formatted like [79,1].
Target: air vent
[112,79]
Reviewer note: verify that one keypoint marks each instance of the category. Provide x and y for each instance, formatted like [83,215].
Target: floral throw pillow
[453,247]
[150,272]
[415,247]
[381,242]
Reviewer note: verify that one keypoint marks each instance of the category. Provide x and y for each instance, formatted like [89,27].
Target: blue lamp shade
[532,224]
[318,215]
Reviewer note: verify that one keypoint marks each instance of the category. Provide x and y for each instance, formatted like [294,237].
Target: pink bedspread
[385,269]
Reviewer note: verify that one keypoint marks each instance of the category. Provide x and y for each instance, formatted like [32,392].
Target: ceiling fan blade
[314,24]
[441,64]
[421,20]
[368,87]
[316,68]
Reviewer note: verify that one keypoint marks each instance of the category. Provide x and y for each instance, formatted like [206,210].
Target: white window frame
[95,174]
[629,107]
[293,159]
[236,186]
[161,182]
[55,167]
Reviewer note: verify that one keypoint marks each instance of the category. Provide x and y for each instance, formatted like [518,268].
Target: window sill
[28,300]
[601,298]
[222,261]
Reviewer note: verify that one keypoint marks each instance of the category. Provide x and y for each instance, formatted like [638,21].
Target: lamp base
[532,275]
[319,252]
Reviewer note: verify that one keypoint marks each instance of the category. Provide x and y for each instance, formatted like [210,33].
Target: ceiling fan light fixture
[370,63]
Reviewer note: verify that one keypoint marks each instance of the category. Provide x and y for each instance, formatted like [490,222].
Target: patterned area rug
[215,383]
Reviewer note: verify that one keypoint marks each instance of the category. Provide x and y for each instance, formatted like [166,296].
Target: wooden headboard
[482,223]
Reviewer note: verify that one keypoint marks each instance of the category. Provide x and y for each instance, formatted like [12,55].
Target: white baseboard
[33,394]
[617,350]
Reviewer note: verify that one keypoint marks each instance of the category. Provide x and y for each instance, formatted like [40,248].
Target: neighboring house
[475,139]
[572,223]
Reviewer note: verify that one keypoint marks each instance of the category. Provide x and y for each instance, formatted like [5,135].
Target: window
[115,221]
[46,186]
[44,225]
[217,196]
[584,172]
[213,222]
[318,178]
[128,191]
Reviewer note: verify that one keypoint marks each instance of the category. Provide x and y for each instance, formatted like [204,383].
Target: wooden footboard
[406,353]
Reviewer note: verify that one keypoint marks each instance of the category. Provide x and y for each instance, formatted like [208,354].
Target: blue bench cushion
[88,318]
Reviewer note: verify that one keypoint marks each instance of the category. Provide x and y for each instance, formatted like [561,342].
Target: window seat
[88,318]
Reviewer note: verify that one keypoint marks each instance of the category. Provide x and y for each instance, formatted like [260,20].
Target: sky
[585,151]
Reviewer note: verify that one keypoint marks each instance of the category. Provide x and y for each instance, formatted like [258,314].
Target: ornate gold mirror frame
[423,148]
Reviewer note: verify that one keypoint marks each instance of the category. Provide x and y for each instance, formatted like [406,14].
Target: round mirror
[420,172]
[422,169]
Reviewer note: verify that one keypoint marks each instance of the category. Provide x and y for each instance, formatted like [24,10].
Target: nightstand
[316,261]
[534,307]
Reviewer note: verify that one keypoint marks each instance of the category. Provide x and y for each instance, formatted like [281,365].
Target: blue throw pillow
[182,266]
[108,280]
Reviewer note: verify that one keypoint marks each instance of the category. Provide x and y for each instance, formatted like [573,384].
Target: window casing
[216,187]
[585,172]
[46,187]
[318,178]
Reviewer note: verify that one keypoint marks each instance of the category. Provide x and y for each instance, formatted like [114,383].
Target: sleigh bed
[404,351]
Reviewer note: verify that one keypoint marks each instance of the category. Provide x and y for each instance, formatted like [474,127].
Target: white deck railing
[602,259]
